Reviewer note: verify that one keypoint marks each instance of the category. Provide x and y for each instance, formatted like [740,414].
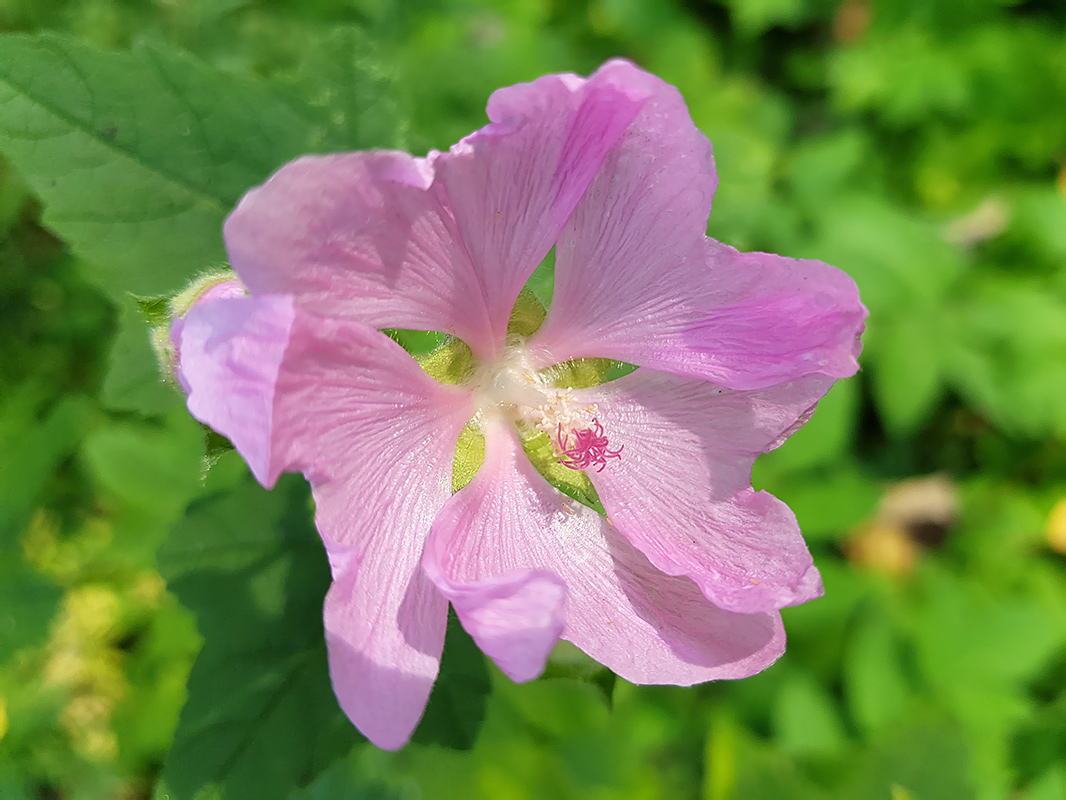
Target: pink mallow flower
[682,580]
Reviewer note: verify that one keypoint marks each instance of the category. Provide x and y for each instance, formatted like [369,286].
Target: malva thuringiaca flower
[681,579]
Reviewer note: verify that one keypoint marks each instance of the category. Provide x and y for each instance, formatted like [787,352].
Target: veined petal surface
[636,279]
[509,524]
[360,236]
[513,184]
[681,491]
[376,437]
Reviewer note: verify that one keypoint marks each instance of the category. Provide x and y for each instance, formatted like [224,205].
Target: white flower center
[513,390]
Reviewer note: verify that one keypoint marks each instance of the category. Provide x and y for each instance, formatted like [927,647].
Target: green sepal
[527,315]
[156,310]
[469,455]
[451,363]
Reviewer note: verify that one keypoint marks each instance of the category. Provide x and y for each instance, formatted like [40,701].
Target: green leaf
[806,718]
[261,718]
[33,443]
[27,604]
[875,688]
[133,380]
[138,156]
[928,760]
[906,369]
[154,468]
[456,706]
[348,86]
[347,778]
[1005,359]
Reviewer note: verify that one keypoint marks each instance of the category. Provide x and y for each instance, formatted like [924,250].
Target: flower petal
[637,280]
[385,624]
[513,184]
[509,530]
[359,236]
[230,352]
[376,437]
[681,490]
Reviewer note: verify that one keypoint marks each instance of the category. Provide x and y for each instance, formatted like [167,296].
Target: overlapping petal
[681,491]
[513,184]
[509,523]
[360,236]
[637,280]
[441,243]
[376,437]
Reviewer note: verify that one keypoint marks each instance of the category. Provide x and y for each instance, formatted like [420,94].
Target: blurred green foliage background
[920,145]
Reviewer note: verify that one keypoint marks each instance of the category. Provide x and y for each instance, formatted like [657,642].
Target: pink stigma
[590,447]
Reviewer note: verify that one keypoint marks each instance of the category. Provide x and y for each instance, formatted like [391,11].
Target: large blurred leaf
[874,682]
[928,760]
[350,89]
[33,440]
[261,718]
[806,718]
[138,156]
[1007,357]
[27,604]
[907,358]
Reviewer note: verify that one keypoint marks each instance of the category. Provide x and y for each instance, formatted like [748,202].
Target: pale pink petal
[637,280]
[376,437]
[681,490]
[385,624]
[509,529]
[512,185]
[360,236]
[231,350]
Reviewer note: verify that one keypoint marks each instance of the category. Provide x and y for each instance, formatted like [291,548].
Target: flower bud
[166,331]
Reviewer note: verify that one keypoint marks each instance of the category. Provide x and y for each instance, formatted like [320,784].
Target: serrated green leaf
[261,718]
[138,156]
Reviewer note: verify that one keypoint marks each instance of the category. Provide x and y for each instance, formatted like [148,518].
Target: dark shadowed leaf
[457,705]
[261,718]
